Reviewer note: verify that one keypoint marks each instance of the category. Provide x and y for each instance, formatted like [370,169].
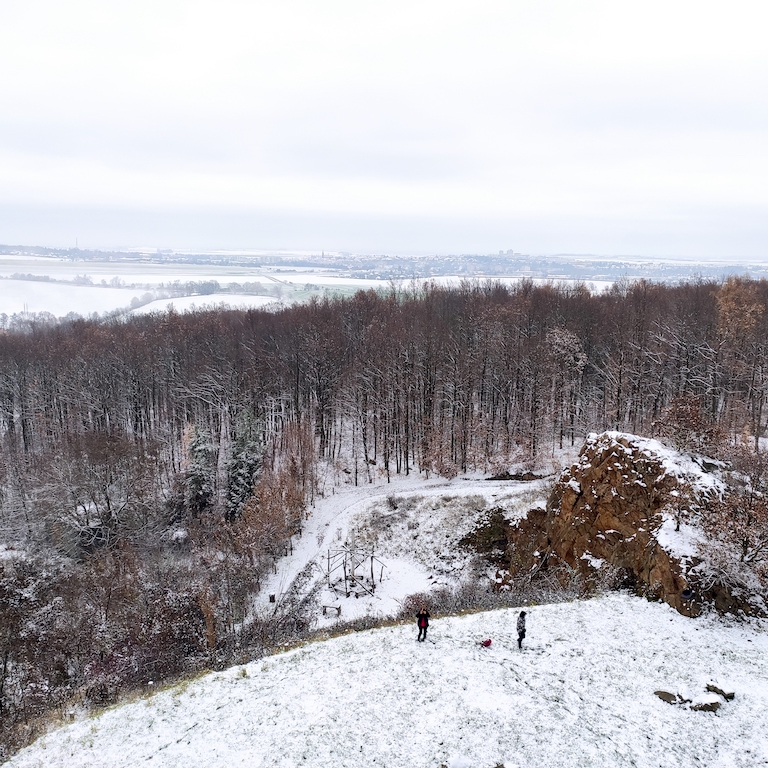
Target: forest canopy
[427,379]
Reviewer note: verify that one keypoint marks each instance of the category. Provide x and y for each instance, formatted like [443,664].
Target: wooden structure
[353,571]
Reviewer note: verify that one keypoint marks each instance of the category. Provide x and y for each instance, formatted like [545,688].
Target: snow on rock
[679,539]
[674,463]
[624,503]
[595,562]
[581,693]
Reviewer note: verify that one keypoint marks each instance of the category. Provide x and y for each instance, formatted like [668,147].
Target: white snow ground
[60,299]
[581,693]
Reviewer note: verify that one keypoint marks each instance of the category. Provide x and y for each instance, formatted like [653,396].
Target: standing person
[520,629]
[422,621]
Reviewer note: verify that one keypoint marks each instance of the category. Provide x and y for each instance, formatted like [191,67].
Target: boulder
[670,698]
[625,515]
[710,703]
[702,703]
[727,695]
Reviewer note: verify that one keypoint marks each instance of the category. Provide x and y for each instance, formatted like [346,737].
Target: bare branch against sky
[418,126]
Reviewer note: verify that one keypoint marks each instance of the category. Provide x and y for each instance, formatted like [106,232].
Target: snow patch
[679,543]
[595,562]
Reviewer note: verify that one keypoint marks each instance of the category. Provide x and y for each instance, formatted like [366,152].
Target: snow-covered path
[580,694]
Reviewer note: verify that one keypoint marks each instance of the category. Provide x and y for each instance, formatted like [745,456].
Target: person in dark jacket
[422,621]
[520,629]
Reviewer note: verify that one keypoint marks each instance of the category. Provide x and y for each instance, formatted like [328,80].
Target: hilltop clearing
[581,693]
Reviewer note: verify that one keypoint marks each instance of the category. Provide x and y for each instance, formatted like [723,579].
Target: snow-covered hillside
[413,527]
[581,693]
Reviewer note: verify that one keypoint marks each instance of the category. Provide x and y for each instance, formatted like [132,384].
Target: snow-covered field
[581,693]
[65,295]
[60,298]
[211,301]
[128,271]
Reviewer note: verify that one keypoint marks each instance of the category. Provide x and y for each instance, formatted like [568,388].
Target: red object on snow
[485,643]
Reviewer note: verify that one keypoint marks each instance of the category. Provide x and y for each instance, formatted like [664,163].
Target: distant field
[60,299]
[213,301]
[87,287]
[63,286]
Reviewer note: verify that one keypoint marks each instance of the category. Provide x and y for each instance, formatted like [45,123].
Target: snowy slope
[580,694]
[412,525]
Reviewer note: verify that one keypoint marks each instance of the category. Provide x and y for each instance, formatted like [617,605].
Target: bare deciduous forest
[153,469]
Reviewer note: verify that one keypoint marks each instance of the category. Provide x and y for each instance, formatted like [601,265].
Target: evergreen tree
[244,465]
[199,477]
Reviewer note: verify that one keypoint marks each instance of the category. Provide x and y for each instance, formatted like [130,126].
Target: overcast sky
[414,127]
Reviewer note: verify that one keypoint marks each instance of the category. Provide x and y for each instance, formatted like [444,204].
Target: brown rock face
[606,510]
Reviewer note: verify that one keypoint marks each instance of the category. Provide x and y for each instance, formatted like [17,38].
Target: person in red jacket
[422,621]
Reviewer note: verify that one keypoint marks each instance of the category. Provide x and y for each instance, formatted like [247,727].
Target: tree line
[433,379]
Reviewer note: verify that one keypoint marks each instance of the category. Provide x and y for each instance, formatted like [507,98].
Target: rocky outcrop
[703,703]
[615,515]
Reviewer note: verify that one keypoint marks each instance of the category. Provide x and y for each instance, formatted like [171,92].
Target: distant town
[504,263]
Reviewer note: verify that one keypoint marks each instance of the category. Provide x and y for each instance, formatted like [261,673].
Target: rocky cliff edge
[624,514]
